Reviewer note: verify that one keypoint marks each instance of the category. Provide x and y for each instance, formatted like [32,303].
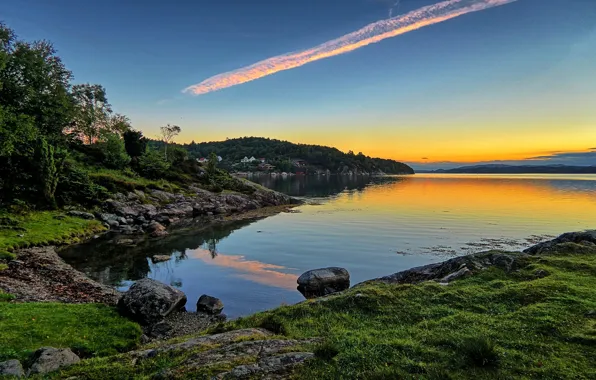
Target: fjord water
[373,226]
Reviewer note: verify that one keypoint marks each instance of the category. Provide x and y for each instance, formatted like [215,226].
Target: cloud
[370,34]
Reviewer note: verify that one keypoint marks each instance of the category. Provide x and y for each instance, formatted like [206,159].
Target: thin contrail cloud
[369,34]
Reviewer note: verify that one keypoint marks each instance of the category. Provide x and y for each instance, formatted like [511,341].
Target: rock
[463,272]
[128,242]
[122,220]
[48,359]
[155,227]
[157,234]
[585,237]
[107,217]
[160,258]
[81,214]
[160,329]
[11,368]
[320,282]
[209,304]
[144,339]
[277,364]
[149,301]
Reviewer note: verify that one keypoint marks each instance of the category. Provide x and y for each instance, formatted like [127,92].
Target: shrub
[479,352]
[114,152]
[273,324]
[75,186]
[152,165]
[326,351]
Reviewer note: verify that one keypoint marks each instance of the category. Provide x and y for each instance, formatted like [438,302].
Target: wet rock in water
[323,281]
[127,242]
[209,304]
[156,229]
[48,359]
[160,258]
[81,214]
[11,368]
[149,301]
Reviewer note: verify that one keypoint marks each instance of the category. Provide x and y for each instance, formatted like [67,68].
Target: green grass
[493,325]
[43,228]
[120,181]
[88,329]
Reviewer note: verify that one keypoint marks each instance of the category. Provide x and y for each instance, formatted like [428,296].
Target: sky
[464,81]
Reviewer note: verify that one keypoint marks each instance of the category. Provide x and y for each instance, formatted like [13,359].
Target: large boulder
[587,238]
[149,301]
[11,368]
[210,305]
[49,359]
[320,282]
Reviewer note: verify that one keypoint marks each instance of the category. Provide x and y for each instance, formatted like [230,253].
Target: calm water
[371,226]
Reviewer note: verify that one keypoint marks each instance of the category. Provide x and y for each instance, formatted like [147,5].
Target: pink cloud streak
[367,35]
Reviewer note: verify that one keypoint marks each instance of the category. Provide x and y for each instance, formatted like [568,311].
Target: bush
[152,165]
[115,156]
[326,351]
[273,324]
[479,352]
[75,186]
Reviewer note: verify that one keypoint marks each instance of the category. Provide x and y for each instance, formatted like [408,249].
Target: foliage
[134,143]
[168,132]
[115,156]
[94,329]
[281,153]
[76,187]
[46,228]
[51,161]
[152,165]
[177,154]
[212,163]
[92,111]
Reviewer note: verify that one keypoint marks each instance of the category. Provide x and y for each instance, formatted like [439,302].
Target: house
[247,160]
[266,167]
[299,163]
[202,160]
[262,160]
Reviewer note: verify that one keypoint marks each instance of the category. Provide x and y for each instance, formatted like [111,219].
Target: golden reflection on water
[502,197]
[256,271]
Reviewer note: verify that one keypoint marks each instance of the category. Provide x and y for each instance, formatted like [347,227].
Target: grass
[493,325]
[120,181]
[44,228]
[88,329]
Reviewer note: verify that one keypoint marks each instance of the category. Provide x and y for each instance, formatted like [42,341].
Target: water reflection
[112,264]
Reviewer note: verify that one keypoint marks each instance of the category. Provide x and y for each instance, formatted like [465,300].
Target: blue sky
[508,83]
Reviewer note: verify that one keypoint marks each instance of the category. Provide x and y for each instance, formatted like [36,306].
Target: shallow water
[371,226]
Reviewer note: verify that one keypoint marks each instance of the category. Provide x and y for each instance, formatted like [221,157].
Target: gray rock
[128,242]
[320,282]
[160,258]
[585,237]
[277,364]
[463,272]
[49,359]
[11,368]
[149,301]
[144,339]
[160,329]
[81,214]
[122,220]
[209,304]
[107,217]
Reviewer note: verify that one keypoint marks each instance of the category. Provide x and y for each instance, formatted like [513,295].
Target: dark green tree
[134,142]
[212,164]
[51,164]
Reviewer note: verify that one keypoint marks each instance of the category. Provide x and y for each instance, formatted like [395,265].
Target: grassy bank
[88,329]
[537,322]
[40,228]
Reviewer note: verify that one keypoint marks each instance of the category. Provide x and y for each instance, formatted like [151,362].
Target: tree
[168,132]
[93,112]
[35,83]
[134,143]
[114,152]
[152,165]
[119,124]
[212,163]
[51,164]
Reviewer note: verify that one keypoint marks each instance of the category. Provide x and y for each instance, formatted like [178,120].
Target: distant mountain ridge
[283,155]
[518,169]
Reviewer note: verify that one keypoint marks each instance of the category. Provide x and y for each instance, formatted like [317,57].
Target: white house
[247,160]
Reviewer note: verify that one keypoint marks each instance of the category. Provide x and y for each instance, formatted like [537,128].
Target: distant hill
[287,156]
[519,169]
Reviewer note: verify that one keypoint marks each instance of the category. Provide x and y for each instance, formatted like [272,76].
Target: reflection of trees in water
[112,264]
[321,186]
